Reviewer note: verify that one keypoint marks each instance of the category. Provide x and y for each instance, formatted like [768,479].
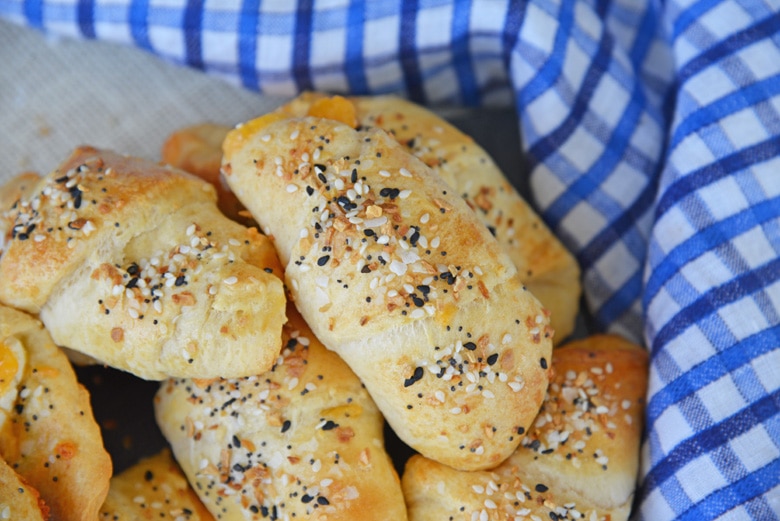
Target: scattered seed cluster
[260,469]
[577,407]
[360,215]
[145,286]
[429,146]
[54,212]
[502,496]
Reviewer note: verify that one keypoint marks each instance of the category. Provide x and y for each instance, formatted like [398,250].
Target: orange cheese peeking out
[338,108]
[9,365]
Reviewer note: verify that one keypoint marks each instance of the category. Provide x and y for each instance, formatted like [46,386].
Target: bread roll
[50,436]
[546,267]
[131,263]
[394,272]
[155,488]
[302,441]
[578,461]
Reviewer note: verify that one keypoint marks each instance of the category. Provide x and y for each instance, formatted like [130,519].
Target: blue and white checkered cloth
[653,132]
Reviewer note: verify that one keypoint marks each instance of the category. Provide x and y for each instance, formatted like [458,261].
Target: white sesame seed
[291,188]
[39,238]
[435,242]
[383,239]
[403,194]
[439,395]
[375,222]
[292,383]
[417,313]
[488,394]
[489,503]
[456,410]
[294,134]
[316,154]
[516,386]
[230,280]
[384,173]
[404,172]
[265,137]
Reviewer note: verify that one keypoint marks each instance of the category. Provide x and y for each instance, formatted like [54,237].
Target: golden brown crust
[131,263]
[303,441]
[395,273]
[10,192]
[581,454]
[198,149]
[545,266]
[19,500]
[51,437]
[154,488]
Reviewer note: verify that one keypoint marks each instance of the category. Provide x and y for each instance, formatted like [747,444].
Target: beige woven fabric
[58,94]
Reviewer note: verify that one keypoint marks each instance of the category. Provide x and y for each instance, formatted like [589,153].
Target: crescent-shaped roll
[302,441]
[155,488]
[394,272]
[49,435]
[546,267]
[578,461]
[131,263]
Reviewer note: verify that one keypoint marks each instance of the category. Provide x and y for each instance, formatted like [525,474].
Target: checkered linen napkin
[653,135]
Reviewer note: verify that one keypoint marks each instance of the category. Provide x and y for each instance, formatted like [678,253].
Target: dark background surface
[122,403]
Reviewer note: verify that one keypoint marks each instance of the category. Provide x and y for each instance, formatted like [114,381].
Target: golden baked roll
[49,435]
[132,263]
[394,272]
[578,461]
[302,441]
[543,262]
[155,488]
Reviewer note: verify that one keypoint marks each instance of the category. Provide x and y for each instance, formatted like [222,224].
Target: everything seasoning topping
[53,212]
[144,287]
[575,409]
[268,476]
[362,216]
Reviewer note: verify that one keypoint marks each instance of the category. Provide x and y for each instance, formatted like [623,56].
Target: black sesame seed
[418,374]
[286,425]
[471,346]
[540,488]
[543,363]
[492,359]
[322,261]
[329,425]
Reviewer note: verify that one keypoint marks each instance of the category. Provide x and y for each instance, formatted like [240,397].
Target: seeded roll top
[579,459]
[131,263]
[543,262]
[302,441]
[395,273]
